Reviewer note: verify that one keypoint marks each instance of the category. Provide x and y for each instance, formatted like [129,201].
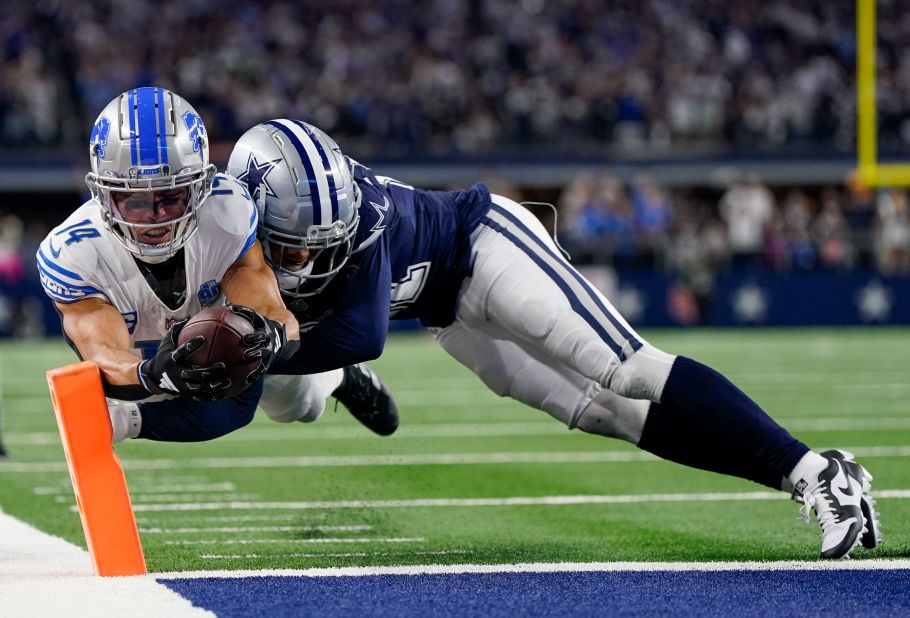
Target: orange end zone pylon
[98,481]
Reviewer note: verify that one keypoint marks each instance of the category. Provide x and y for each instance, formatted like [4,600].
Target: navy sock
[704,421]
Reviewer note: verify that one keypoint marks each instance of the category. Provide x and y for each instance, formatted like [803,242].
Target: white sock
[805,472]
[126,421]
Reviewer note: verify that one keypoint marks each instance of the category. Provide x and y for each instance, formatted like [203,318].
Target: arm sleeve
[356,330]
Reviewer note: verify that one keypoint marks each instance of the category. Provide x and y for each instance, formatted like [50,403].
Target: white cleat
[835,498]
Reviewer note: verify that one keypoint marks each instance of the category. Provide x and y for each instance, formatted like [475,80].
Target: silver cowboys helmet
[145,147]
[307,201]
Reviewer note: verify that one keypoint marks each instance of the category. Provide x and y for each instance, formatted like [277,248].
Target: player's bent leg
[187,420]
[521,282]
[290,398]
[609,414]
[516,369]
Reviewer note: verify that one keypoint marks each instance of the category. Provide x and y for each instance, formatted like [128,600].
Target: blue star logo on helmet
[98,139]
[194,125]
[255,176]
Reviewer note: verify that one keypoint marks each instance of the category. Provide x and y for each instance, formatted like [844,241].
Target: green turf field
[332,494]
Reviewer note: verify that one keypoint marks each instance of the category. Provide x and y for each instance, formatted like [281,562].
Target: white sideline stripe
[477,430]
[44,576]
[357,539]
[557,567]
[428,459]
[510,501]
[232,529]
[349,554]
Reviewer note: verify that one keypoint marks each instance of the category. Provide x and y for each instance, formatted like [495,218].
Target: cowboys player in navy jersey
[162,237]
[352,250]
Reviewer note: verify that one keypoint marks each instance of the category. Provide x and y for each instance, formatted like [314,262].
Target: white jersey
[81,258]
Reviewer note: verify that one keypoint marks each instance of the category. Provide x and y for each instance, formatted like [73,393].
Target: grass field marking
[140,490]
[488,429]
[421,459]
[404,460]
[320,541]
[485,429]
[233,529]
[153,498]
[223,519]
[347,554]
[548,567]
[479,502]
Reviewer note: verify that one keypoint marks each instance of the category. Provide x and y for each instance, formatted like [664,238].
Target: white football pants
[535,330]
[286,399]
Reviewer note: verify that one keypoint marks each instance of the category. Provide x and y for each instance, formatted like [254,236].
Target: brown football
[223,331]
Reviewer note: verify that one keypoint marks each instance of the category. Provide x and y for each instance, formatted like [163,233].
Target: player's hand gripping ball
[223,331]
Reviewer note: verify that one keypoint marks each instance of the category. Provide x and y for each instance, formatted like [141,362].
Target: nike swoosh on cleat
[841,488]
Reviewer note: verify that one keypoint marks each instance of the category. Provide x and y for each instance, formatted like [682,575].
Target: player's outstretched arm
[251,283]
[98,332]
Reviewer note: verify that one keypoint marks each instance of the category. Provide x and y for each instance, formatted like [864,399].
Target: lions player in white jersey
[163,237]
[353,249]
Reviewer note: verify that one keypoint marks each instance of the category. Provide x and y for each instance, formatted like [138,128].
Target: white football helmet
[307,200]
[146,141]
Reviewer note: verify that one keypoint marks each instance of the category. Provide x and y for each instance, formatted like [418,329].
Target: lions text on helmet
[150,171]
[307,199]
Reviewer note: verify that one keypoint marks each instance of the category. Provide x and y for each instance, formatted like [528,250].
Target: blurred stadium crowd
[523,78]
[462,76]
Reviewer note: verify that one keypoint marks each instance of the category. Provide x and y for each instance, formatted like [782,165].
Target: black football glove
[170,373]
[268,343]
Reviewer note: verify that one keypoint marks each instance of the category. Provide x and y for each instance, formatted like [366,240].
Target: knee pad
[643,374]
[286,399]
[609,414]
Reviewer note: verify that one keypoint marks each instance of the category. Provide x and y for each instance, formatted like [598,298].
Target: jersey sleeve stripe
[58,269]
[66,284]
[249,243]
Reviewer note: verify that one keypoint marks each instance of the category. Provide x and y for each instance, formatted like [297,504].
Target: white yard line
[348,554]
[139,489]
[223,519]
[241,529]
[427,459]
[477,502]
[141,498]
[276,433]
[559,567]
[320,541]
[44,576]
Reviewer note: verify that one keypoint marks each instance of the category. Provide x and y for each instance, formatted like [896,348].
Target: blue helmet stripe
[310,172]
[134,154]
[148,135]
[162,127]
[326,166]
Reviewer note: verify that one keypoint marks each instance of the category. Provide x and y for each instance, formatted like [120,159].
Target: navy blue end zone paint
[689,593]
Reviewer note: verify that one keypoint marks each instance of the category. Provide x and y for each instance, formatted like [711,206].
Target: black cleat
[368,399]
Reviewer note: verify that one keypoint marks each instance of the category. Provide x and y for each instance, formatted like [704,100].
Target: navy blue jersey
[411,254]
